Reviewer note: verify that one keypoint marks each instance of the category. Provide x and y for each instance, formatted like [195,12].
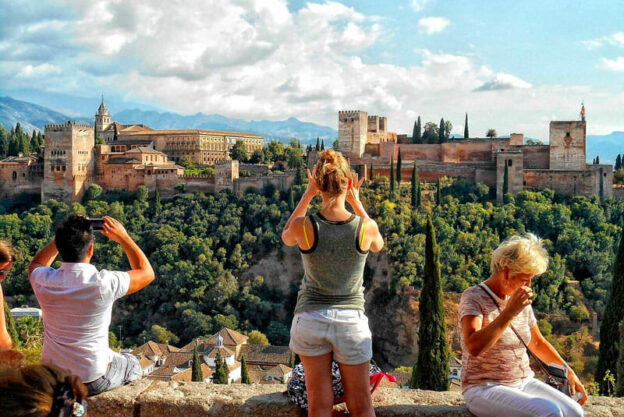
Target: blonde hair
[521,254]
[332,173]
[7,254]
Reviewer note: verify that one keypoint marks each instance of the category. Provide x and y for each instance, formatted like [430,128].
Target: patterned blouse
[505,363]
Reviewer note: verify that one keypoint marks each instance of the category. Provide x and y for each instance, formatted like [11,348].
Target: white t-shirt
[77,302]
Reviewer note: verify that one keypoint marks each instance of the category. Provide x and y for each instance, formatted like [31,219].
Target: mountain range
[34,117]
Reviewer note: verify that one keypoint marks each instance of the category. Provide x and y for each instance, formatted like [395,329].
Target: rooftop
[192,132]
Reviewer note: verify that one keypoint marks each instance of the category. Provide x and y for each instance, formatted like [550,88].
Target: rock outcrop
[147,398]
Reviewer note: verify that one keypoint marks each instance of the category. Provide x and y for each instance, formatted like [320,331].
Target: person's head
[332,174]
[74,239]
[517,260]
[7,257]
[41,391]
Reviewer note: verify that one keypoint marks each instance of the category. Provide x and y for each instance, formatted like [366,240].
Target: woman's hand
[313,188]
[353,194]
[576,386]
[518,301]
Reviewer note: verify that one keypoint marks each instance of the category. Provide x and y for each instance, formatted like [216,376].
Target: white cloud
[616,64]
[255,59]
[503,81]
[431,25]
[615,39]
[418,5]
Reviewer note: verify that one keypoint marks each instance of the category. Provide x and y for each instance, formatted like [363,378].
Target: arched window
[14,176]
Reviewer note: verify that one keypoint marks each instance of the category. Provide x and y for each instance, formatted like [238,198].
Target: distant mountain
[606,146]
[281,130]
[29,115]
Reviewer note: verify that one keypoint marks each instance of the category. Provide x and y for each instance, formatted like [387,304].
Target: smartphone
[350,185]
[97,224]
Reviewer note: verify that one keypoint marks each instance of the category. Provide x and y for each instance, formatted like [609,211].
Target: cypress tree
[466,134]
[399,168]
[157,203]
[619,388]
[432,367]
[293,360]
[318,144]
[244,371]
[618,162]
[298,176]
[438,193]
[4,142]
[322,144]
[506,179]
[197,375]
[371,172]
[441,130]
[217,375]
[225,371]
[10,324]
[391,175]
[416,198]
[417,135]
[291,199]
[613,313]
[115,134]
[597,159]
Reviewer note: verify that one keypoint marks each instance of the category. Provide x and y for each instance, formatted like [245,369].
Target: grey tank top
[333,266]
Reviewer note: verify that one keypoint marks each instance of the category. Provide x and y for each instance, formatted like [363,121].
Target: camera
[97,224]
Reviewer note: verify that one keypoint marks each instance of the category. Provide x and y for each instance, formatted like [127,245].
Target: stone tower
[68,161]
[567,145]
[102,118]
[352,130]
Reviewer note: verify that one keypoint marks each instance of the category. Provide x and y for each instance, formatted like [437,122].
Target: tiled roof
[230,338]
[193,132]
[145,362]
[225,352]
[145,149]
[148,349]
[163,372]
[123,161]
[265,354]
[178,359]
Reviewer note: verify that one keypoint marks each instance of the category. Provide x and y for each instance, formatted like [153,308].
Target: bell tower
[102,119]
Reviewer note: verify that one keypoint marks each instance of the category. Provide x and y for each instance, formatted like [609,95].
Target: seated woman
[329,317]
[496,378]
[41,391]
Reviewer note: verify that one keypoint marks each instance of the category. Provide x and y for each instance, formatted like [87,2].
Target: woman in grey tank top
[329,320]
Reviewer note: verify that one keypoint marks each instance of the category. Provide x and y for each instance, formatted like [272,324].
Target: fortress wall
[588,182]
[536,156]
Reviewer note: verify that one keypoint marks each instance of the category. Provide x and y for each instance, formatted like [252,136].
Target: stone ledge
[148,398]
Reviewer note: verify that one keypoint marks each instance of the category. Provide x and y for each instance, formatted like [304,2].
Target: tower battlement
[350,113]
[65,126]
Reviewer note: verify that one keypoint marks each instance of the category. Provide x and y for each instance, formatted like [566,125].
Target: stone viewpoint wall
[147,398]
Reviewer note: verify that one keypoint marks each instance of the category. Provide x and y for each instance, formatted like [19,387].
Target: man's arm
[141,273]
[45,257]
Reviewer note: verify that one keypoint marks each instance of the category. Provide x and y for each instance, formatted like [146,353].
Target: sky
[511,65]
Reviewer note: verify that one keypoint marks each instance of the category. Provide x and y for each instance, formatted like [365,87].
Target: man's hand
[576,387]
[114,230]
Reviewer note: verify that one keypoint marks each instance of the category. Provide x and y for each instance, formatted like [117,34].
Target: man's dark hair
[73,238]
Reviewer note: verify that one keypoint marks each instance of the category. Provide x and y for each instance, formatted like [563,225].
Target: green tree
[618,161]
[298,177]
[238,151]
[417,132]
[370,175]
[318,144]
[244,371]
[291,199]
[115,132]
[187,162]
[432,369]
[10,324]
[619,387]
[613,313]
[197,374]
[336,145]
[4,142]
[219,376]
[93,193]
[399,168]
[278,334]
[416,194]
[438,193]
[391,176]
[257,157]
[257,338]
[142,193]
[466,134]
[442,131]
[491,133]
[113,343]
[157,203]
[431,133]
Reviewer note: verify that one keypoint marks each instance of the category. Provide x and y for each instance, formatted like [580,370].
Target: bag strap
[531,354]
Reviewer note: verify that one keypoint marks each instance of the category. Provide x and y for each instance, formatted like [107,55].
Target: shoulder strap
[305,235]
[531,354]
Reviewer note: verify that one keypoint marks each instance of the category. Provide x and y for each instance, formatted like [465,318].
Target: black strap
[531,354]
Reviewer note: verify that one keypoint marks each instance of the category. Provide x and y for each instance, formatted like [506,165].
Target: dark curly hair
[38,391]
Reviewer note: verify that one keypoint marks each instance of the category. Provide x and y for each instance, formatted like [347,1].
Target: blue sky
[513,66]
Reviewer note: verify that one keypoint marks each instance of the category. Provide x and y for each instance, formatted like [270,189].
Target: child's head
[40,391]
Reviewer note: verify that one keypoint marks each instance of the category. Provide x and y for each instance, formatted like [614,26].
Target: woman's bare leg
[356,384]
[318,379]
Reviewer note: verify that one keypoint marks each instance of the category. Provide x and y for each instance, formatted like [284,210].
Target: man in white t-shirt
[77,300]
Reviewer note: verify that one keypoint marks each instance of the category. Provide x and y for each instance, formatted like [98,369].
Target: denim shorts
[123,368]
[341,331]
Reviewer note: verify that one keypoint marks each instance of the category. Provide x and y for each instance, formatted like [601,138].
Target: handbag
[555,375]
[298,394]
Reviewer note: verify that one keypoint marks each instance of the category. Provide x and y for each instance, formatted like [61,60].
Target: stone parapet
[145,398]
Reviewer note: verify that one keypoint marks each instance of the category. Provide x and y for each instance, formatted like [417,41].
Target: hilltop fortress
[131,156]
[560,165]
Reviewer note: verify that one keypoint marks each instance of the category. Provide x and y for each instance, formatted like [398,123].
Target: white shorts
[344,332]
